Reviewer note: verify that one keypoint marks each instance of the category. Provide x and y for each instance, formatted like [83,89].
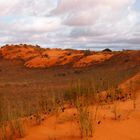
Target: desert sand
[64,126]
[31,76]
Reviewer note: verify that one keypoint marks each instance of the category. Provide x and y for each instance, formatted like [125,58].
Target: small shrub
[107,50]
[85,121]
[87,52]
[133,94]
[3,132]
[115,111]
[20,128]
[45,56]
[38,118]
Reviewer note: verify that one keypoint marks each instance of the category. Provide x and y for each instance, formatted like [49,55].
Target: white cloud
[26,7]
[6,6]
[70,23]
[37,24]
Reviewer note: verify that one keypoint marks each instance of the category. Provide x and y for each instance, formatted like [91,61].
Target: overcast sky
[81,24]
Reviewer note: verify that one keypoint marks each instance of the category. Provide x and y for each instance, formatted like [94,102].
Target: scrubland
[68,94]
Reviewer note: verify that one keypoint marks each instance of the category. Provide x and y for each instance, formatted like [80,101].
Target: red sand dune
[36,57]
[94,58]
[24,52]
[63,126]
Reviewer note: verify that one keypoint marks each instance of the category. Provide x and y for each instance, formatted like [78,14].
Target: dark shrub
[107,50]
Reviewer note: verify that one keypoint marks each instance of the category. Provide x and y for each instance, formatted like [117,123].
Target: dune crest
[37,57]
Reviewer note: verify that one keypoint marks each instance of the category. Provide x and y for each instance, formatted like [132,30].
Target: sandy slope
[96,58]
[64,126]
[134,82]
[126,128]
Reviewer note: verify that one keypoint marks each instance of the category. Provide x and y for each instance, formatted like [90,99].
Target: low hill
[37,57]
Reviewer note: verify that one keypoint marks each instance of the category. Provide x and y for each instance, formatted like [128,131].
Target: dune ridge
[37,57]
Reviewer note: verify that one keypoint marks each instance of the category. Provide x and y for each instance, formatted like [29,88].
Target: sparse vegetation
[84,119]
[34,93]
[132,94]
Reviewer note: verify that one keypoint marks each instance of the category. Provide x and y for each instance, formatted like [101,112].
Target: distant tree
[87,52]
[107,50]
[38,46]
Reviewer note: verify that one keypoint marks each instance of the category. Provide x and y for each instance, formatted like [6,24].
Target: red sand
[64,126]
